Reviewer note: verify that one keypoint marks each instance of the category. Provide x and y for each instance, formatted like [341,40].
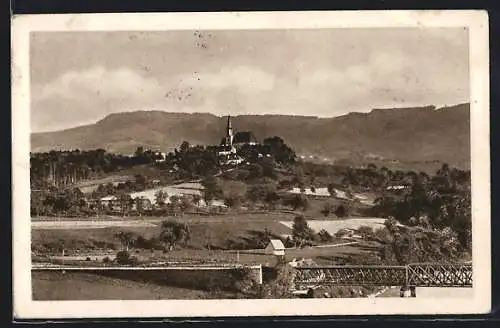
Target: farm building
[111,202]
[275,247]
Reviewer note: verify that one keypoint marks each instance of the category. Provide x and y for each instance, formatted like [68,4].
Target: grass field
[90,186]
[332,226]
[83,286]
[213,238]
[219,232]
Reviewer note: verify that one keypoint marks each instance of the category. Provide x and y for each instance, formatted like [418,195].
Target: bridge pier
[408,291]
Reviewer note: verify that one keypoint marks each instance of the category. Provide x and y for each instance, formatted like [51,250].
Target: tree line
[65,168]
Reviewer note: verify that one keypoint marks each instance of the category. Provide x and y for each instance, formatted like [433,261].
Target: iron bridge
[417,275]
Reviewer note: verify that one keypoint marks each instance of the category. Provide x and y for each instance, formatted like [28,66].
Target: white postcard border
[475,21]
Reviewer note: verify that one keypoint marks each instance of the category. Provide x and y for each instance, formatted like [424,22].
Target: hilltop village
[182,165]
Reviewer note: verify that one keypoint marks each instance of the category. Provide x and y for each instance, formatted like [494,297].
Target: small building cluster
[146,199]
[231,143]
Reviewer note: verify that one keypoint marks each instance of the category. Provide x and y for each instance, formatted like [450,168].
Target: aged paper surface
[70,71]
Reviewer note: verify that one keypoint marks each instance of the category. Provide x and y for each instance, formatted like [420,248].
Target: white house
[275,247]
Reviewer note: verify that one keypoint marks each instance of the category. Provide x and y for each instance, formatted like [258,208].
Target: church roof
[244,137]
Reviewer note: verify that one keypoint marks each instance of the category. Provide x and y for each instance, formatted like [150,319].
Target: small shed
[275,247]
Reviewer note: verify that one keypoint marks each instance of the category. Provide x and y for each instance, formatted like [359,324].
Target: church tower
[229,132]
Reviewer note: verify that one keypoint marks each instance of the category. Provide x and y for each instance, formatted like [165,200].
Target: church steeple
[229,132]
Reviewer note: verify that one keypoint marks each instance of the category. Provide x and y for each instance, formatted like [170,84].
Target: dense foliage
[434,209]
[437,202]
[63,168]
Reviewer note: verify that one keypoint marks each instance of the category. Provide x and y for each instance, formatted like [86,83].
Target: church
[231,142]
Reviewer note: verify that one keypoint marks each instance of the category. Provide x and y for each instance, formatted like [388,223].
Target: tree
[139,204]
[161,197]
[123,257]
[140,182]
[234,193]
[279,150]
[185,203]
[391,224]
[271,199]
[139,152]
[196,199]
[125,238]
[365,231]
[126,203]
[324,236]
[327,209]
[281,287]
[299,201]
[173,232]
[436,202]
[211,189]
[331,190]
[175,204]
[184,148]
[259,191]
[341,211]
[404,245]
[301,232]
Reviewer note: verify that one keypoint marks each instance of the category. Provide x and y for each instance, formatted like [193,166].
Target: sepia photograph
[246,162]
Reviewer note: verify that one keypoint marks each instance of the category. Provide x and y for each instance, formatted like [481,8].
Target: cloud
[98,81]
[386,77]
[82,97]
[244,78]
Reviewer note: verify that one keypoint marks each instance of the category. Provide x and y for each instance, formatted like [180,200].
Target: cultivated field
[92,185]
[94,224]
[216,232]
[188,188]
[332,226]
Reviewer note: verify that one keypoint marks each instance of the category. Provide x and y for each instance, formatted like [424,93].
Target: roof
[276,244]
[244,137]
[109,198]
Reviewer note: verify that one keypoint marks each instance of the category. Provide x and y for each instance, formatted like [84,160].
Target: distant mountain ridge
[403,134]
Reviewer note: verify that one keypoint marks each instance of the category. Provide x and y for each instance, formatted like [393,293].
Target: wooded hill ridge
[401,134]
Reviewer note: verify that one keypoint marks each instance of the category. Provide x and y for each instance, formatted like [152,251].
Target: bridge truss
[417,275]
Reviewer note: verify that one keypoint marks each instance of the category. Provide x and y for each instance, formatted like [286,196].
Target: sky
[78,78]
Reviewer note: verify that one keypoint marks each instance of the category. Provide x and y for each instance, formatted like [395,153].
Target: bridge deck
[419,275]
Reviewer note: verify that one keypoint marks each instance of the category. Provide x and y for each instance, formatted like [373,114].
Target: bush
[324,236]
[342,211]
[106,260]
[327,209]
[282,286]
[342,233]
[365,231]
[123,257]
[173,232]
[302,234]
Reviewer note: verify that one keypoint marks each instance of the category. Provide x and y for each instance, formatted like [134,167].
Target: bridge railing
[423,275]
[440,275]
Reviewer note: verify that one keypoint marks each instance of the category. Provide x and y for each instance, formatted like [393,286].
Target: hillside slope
[404,134]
